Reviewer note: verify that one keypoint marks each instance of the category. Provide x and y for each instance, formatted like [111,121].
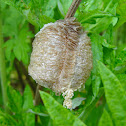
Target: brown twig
[28,79]
[19,76]
[69,14]
[73,8]
[37,96]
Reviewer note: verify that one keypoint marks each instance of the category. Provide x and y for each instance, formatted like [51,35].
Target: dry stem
[73,8]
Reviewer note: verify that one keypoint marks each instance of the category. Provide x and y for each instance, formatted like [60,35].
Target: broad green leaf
[121,10]
[108,35]
[22,45]
[58,15]
[94,115]
[115,95]
[7,120]
[85,17]
[121,58]
[22,8]
[48,7]
[103,5]
[34,10]
[93,4]
[64,5]
[18,51]
[107,45]
[47,121]
[45,20]
[15,104]
[90,105]
[120,69]
[122,79]
[120,62]
[17,29]
[97,51]
[60,115]
[105,119]
[108,38]
[15,100]
[108,48]
[90,11]
[29,118]
[28,99]
[9,45]
[12,22]
[101,25]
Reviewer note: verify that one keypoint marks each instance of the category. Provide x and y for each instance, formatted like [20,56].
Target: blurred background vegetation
[96,103]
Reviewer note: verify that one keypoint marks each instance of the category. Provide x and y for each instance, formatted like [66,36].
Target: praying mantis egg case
[61,58]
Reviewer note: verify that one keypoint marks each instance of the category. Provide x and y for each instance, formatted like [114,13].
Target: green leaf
[15,100]
[37,113]
[29,119]
[91,15]
[22,45]
[60,115]
[107,45]
[121,10]
[103,12]
[6,119]
[34,10]
[121,58]
[17,30]
[90,105]
[18,51]
[115,95]
[45,20]
[120,62]
[105,119]
[48,7]
[77,101]
[9,45]
[28,99]
[97,51]
[94,115]
[63,6]
[109,50]
[38,110]
[120,69]
[122,79]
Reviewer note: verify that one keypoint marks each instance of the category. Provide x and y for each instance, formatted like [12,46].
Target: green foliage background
[101,102]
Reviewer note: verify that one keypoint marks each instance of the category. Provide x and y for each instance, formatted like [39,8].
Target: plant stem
[73,8]
[37,98]
[19,76]
[2,66]
[37,95]
[24,71]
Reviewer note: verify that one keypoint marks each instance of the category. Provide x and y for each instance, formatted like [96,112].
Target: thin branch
[73,8]
[19,76]
[28,79]
[37,95]
[37,99]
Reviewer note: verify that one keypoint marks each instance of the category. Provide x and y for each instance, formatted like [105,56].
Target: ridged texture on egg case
[61,58]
